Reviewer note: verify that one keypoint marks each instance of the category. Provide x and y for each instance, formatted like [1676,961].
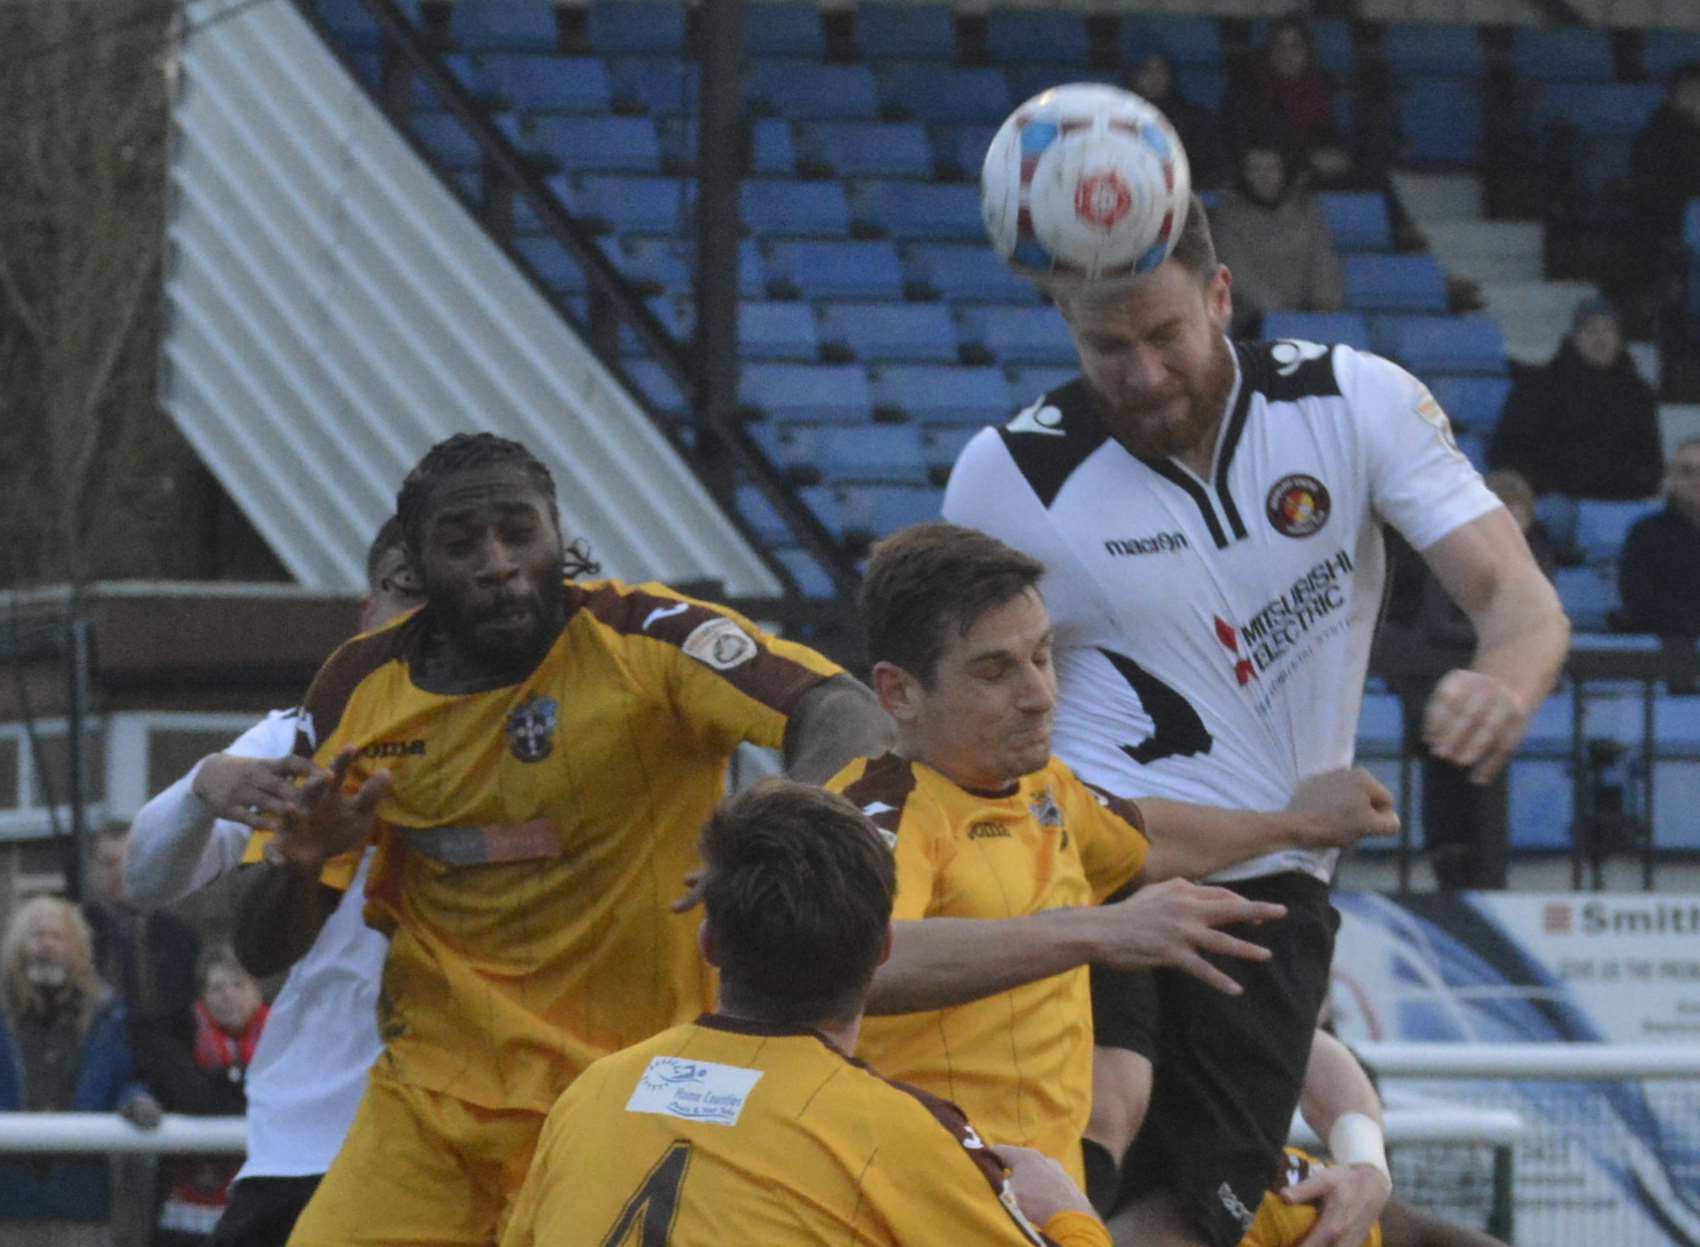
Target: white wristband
[1356,1139]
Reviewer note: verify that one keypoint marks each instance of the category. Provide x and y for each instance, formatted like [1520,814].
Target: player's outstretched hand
[1174,923]
[254,791]
[1042,1187]
[1475,721]
[325,819]
[1351,1196]
[1343,806]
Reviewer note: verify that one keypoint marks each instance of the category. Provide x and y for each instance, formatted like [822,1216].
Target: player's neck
[986,785]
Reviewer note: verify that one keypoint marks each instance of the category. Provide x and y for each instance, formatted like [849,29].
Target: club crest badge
[1298,505]
[531,729]
[1044,807]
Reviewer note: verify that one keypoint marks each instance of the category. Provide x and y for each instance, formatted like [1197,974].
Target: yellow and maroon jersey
[1280,1224]
[537,833]
[731,1131]
[1019,1062]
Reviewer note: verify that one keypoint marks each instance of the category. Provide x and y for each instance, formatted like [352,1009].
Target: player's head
[392,586]
[798,891]
[1153,350]
[482,530]
[960,642]
[1682,478]
[47,958]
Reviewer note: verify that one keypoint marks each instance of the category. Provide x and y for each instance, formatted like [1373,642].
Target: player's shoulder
[1292,371]
[1046,440]
[883,788]
[354,663]
[656,612]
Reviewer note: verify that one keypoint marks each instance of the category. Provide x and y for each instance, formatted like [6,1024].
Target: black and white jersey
[1213,634]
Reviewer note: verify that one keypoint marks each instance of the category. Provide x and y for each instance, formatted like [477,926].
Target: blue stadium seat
[838,270]
[1602,526]
[504,25]
[771,153]
[1542,802]
[969,272]
[891,332]
[777,330]
[823,500]
[783,207]
[920,32]
[1357,220]
[944,394]
[945,93]
[668,263]
[1207,88]
[1615,110]
[664,86]
[807,393]
[1589,595]
[352,25]
[1558,53]
[760,514]
[1036,35]
[558,270]
[450,144]
[867,148]
[1552,724]
[910,210]
[1667,50]
[599,144]
[943,443]
[1189,40]
[526,220]
[1325,327]
[788,446]
[890,453]
[561,84]
[368,68]
[1026,81]
[1436,344]
[1676,804]
[1027,384]
[962,147]
[1676,723]
[1381,723]
[813,580]
[472,72]
[879,510]
[1442,119]
[1019,335]
[784,30]
[1416,49]
[624,27]
[653,384]
[638,205]
[807,91]
[1394,283]
[1472,403]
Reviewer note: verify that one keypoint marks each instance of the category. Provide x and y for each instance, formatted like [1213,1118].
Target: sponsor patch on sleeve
[720,643]
[694,1090]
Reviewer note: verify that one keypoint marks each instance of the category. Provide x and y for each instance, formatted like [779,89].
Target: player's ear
[897,690]
[1219,298]
[706,945]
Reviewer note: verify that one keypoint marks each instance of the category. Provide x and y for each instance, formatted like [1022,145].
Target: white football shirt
[1213,634]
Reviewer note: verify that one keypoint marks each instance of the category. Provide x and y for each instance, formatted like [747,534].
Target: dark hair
[464,452]
[390,537]
[930,577]
[799,893]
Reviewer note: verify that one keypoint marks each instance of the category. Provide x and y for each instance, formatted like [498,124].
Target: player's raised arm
[836,722]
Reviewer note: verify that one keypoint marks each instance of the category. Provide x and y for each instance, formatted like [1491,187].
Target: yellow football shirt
[729,1131]
[1280,1224]
[1019,1062]
[538,833]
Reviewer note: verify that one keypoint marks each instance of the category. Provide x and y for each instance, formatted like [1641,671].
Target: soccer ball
[1085,182]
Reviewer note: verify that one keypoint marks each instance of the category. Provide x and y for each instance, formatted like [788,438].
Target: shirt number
[654,1205]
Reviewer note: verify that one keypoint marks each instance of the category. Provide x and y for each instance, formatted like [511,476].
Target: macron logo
[1039,418]
[664,612]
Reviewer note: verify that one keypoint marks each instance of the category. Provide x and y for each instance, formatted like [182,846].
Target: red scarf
[216,1049]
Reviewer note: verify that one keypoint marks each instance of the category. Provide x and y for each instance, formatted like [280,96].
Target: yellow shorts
[420,1168]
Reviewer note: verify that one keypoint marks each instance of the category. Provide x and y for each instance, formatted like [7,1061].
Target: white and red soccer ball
[1085,182]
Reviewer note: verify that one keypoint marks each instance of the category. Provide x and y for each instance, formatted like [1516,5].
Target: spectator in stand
[1271,233]
[1659,573]
[229,1017]
[1584,425]
[1665,159]
[1280,84]
[1153,77]
[62,1049]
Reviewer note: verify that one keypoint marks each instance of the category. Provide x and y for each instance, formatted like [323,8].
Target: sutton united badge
[531,728]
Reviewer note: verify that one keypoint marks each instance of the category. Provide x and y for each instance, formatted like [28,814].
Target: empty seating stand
[1395,283]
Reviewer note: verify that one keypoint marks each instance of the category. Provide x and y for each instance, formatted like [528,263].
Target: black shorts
[263,1211]
[1227,1070]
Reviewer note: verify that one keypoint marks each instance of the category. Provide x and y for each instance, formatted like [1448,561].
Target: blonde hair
[17,994]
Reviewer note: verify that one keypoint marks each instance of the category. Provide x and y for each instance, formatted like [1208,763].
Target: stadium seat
[449,143]
[1027,80]
[838,270]
[1472,403]
[1542,804]
[661,86]
[780,207]
[867,148]
[879,510]
[1027,384]
[889,453]
[788,446]
[1326,327]
[1207,88]
[557,270]
[1442,119]
[626,28]
[1437,344]
[942,443]
[638,205]
[1676,804]
[1602,527]
[784,30]
[1589,595]
[771,150]
[945,93]
[526,220]
[368,67]
[1019,335]
[823,500]
[1613,110]
[352,25]
[761,515]
[1357,220]
[1417,49]
[891,332]
[559,84]
[909,210]
[1394,283]
[806,91]
[667,263]
[1552,725]
[961,149]
[920,32]
[969,272]
[807,393]
[1036,35]
[1381,724]
[1667,50]
[1189,40]
[504,25]
[943,394]
[599,144]
[813,580]
[777,330]
[1560,53]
